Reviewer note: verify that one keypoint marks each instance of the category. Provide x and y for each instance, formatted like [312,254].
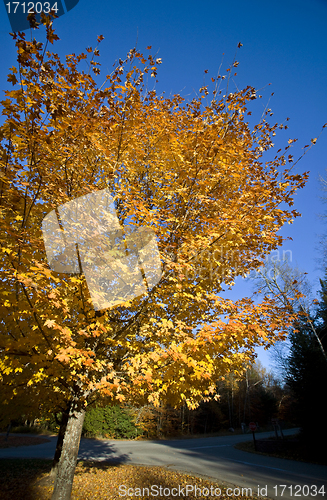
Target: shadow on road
[92,449]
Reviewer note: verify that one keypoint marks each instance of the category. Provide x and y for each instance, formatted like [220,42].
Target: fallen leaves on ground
[30,480]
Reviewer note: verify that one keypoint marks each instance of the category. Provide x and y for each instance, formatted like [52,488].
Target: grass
[291,448]
[27,479]
[29,429]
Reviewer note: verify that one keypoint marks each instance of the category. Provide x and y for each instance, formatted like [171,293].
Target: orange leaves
[12,78]
[50,323]
[189,172]
[63,358]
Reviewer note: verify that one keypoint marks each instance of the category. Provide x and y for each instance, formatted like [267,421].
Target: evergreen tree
[307,375]
[321,315]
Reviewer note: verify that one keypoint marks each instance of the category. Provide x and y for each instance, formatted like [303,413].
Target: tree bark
[60,440]
[68,459]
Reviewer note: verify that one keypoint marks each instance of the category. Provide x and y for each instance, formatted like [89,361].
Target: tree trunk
[60,440]
[68,459]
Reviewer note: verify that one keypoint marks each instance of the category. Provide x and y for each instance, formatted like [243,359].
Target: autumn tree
[190,172]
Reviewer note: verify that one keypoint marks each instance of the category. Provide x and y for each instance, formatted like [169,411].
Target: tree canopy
[191,172]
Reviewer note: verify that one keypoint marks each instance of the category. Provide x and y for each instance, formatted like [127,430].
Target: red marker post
[253,428]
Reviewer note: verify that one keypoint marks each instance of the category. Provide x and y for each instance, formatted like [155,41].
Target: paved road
[213,457]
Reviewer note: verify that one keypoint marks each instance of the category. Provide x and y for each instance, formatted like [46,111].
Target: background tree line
[256,396]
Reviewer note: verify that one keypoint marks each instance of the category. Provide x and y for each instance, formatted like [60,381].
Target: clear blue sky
[284,44]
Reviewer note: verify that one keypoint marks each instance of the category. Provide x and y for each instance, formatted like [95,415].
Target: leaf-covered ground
[24,479]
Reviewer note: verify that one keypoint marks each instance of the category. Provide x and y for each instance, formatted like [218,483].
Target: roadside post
[253,428]
[277,427]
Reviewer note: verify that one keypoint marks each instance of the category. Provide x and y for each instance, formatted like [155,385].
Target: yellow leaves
[38,377]
[5,366]
[76,280]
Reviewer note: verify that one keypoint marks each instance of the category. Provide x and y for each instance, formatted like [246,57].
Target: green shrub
[110,422]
